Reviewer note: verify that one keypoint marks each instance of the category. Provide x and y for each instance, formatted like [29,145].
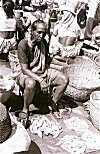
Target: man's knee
[30,83]
[63,80]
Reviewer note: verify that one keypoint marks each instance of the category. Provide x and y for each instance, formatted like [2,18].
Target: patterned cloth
[7,44]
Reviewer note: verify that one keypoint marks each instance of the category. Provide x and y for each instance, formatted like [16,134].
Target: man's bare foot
[25,110]
[57,115]
[23,116]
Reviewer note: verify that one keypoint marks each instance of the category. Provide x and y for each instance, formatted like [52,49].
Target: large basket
[83,76]
[5,123]
[95,109]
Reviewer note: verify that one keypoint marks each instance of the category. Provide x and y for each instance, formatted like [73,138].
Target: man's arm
[43,84]
[28,72]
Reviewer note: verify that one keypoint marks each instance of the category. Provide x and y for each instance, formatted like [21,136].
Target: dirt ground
[48,144]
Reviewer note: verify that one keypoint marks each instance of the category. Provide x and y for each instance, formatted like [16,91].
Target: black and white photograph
[49,76]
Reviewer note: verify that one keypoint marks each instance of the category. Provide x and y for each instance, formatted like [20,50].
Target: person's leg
[29,91]
[93,19]
[29,87]
[88,30]
[59,81]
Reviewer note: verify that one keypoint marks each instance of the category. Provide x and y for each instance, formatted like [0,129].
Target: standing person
[31,54]
[70,9]
[68,48]
[7,27]
[93,19]
[20,24]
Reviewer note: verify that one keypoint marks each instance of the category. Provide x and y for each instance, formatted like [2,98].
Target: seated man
[31,54]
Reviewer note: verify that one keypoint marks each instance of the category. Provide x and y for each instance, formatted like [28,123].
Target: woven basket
[83,76]
[5,123]
[80,95]
[95,109]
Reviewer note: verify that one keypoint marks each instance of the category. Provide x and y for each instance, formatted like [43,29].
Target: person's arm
[56,66]
[27,24]
[44,86]
[28,8]
[29,72]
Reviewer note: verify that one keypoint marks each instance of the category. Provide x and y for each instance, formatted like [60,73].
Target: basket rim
[5,124]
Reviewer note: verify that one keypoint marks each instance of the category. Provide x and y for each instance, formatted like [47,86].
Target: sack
[20,141]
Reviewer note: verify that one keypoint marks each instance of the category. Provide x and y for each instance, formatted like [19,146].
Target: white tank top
[7,24]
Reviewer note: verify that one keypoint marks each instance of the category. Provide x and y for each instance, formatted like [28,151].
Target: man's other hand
[44,86]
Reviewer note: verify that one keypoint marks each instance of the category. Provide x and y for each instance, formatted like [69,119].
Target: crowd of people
[42,51]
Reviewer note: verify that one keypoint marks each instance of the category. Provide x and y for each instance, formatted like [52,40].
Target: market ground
[48,144]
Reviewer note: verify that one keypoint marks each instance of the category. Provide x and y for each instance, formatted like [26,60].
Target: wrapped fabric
[19,141]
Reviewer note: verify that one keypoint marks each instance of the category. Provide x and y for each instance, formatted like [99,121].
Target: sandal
[57,115]
[68,110]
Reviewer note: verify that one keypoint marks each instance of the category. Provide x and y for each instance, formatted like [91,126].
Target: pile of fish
[86,138]
[42,125]
[76,124]
[73,144]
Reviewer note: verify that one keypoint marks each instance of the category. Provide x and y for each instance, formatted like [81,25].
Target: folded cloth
[7,44]
[32,149]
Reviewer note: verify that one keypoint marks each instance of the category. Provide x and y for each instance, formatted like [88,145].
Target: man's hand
[44,86]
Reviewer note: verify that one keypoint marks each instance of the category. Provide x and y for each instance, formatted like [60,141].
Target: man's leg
[29,91]
[59,81]
[29,86]
[60,84]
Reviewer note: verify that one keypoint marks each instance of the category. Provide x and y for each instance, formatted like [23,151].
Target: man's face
[37,36]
